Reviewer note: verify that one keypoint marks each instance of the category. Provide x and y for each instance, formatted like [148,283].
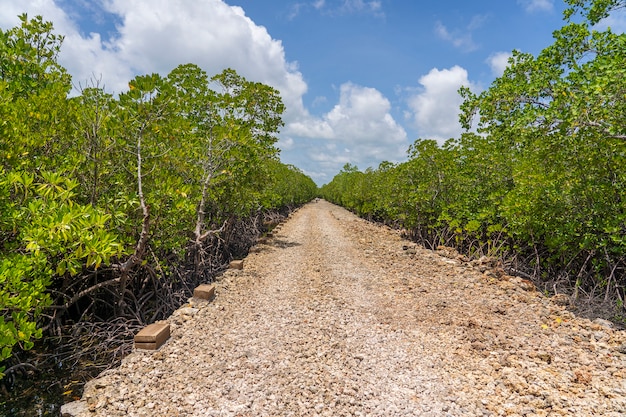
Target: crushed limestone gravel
[335,316]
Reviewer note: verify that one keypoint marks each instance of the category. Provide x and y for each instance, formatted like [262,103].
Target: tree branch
[85,292]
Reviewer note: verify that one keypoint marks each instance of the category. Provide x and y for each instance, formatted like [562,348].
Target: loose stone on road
[336,316]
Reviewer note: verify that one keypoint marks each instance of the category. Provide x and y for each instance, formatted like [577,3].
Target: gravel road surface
[335,316]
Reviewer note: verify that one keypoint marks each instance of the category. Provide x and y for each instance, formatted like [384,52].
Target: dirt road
[335,316]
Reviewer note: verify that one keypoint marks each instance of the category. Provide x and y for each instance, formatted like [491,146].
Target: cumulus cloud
[359,129]
[86,57]
[436,107]
[209,33]
[361,120]
[498,62]
[158,35]
[363,112]
[536,5]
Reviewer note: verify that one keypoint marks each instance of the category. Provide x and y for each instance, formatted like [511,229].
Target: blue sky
[361,80]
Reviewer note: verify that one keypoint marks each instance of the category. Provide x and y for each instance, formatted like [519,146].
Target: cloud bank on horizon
[344,120]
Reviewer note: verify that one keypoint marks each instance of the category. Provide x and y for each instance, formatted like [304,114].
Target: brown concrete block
[236,265]
[145,346]
[152,336]
[204,291]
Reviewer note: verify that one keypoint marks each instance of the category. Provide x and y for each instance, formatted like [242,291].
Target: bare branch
[85,292]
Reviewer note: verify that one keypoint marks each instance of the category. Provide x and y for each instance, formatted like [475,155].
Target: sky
[361,79]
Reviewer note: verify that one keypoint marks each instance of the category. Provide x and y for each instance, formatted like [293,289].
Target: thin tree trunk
[140,248]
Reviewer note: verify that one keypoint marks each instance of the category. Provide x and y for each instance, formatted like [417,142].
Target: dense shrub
[110,205]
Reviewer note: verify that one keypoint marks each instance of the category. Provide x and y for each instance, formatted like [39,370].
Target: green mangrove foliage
[541,182]
[102,197]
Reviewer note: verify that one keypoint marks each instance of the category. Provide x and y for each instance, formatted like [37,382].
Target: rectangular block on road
[204,292]
[152,336]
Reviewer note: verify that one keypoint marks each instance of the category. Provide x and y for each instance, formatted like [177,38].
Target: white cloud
[337,8]
[361,121]
[209,33]
[498,62]
[318,4]
[362,116]
[158,35]
[436,107]
[310,127]
[462,40]
[477,21]
[537,5]
[616,22]
[351,6]
[461,37]
[359,129]
[85,58]
[285,143]
[46,8]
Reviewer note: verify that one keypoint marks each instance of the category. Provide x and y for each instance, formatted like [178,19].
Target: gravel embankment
[339,317]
